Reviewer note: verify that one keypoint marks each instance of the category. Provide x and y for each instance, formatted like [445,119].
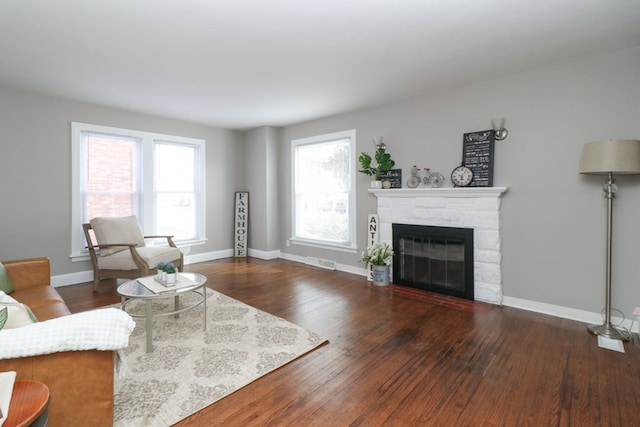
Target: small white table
[133,289]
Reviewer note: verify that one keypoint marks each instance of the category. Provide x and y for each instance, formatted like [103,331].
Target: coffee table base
[149,314]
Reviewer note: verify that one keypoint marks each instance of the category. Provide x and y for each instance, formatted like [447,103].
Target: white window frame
[148,140]
[321,139]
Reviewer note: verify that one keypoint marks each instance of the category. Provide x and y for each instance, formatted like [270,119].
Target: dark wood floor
[397,359]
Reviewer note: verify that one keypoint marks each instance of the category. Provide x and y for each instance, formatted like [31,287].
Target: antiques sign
[372,238]
[241,221]
[477,155]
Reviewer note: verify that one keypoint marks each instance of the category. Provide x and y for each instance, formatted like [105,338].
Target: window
[323,182]
[121,172]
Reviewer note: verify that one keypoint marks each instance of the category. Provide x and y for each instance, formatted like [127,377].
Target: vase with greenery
[380,256]
[383,163]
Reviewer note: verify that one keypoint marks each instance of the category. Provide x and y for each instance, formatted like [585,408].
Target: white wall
[553,218]
[35,174]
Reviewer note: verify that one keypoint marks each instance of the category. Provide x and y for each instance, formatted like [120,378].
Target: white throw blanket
[104,329]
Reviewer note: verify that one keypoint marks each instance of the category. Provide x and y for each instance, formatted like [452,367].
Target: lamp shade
[617,156]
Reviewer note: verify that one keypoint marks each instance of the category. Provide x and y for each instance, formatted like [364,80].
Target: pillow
[117,230]
[6,298]
[4,315]
[17,315]
[6,284]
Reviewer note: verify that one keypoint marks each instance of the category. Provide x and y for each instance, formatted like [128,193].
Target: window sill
[323,245]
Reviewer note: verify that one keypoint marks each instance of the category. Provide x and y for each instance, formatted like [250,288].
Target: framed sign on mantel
[477,155]
[241,224]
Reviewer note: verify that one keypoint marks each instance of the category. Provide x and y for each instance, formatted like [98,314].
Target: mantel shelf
[450,192]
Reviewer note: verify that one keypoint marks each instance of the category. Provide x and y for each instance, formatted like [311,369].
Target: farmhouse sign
[241,224]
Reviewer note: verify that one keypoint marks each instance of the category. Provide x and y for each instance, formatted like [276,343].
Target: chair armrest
[109,245]
[28,273]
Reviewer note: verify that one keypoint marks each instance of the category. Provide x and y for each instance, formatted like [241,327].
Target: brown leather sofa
[80,382]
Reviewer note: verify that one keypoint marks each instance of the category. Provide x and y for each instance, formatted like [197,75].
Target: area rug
[190,369]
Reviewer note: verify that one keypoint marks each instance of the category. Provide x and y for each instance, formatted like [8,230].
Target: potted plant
[160,274]
[380,257]
[170,269]
[383,163]
[166,272]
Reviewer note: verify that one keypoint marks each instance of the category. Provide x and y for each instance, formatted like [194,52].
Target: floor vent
[322,263]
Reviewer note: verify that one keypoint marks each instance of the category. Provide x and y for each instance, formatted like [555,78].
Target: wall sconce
[379,143]
[498,126]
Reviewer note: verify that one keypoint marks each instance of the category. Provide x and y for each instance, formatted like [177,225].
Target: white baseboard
[339,267]
[523,304]
[71,278]
[87,276]
[267,256]
[566,312]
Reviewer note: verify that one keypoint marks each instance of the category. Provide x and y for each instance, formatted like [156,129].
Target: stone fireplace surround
[474,207]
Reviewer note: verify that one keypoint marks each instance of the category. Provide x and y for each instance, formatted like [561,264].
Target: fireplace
[436,259]
[475,208]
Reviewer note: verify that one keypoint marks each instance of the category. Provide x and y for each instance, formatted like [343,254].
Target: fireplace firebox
[436,259]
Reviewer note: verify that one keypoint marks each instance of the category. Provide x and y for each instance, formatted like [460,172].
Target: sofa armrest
[80,384]
[28,273]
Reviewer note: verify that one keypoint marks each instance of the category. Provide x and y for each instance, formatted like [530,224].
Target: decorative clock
[461,176]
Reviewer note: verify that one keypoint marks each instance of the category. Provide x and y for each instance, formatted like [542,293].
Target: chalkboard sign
[477,155]
[394,176]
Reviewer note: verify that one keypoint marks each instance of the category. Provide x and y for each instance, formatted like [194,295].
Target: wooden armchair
[121,252]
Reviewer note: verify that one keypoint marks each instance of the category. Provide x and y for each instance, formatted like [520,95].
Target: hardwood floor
[405,359]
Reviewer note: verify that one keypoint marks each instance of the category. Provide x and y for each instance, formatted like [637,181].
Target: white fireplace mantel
[449,192]
[477,208]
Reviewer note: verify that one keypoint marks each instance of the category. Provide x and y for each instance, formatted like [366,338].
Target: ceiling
[241,64]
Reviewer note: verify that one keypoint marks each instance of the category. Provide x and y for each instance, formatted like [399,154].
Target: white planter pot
[380,275]
[171,278]
[376,184]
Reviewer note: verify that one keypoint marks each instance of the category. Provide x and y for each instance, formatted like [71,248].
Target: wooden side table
[29,404]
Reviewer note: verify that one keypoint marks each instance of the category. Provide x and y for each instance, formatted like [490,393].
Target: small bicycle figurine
[431,179]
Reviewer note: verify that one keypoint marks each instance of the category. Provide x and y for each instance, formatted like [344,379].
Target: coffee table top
[135,289]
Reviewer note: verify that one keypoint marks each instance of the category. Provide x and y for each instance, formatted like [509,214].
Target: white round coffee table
[136,290]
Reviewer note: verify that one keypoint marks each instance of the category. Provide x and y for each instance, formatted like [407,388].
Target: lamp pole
[607,329]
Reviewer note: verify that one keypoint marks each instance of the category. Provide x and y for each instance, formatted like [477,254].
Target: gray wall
[553,219]
[261,174]
[35,174]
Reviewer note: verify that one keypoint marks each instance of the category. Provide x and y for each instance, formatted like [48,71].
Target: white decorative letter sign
[241,221]
[372,239]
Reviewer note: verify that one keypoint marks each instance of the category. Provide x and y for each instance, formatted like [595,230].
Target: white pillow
[6,298]
[117,230]
[18,315]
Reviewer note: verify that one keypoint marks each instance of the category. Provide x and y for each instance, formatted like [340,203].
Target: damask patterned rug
[190,369]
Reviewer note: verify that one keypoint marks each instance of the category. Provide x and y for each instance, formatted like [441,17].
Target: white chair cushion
[151,254]
[117,230]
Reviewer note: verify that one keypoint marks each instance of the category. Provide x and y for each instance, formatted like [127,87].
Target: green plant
[378,254]
[166,267]
[383,161]
[169,268]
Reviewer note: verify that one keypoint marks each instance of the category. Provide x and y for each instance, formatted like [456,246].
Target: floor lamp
[608,158]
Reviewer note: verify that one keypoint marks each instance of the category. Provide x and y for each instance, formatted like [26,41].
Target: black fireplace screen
[437,259]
